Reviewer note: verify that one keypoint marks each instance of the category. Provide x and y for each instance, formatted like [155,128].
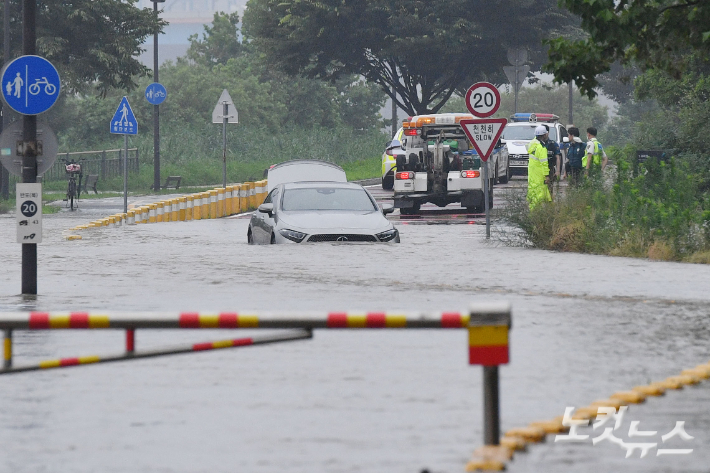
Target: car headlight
[387,235]
[292,235]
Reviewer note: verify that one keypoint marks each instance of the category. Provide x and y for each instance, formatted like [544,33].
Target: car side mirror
[565,140]
[387,208]
[267,209]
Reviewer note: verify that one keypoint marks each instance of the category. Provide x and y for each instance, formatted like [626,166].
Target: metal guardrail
[105,163]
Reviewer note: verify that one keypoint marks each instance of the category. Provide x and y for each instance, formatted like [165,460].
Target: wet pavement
[584,327]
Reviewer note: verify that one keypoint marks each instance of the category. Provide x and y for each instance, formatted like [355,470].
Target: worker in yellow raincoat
[538,171]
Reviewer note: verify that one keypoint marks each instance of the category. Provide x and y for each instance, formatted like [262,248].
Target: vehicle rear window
[327,198]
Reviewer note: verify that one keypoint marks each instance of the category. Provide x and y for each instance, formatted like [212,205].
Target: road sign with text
[484,134]
[483,99]
[123,121]
[29,213]
[30,85]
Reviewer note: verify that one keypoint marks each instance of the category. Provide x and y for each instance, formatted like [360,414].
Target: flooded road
[373,401]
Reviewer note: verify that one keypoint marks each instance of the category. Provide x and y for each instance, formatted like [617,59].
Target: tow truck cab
[438,165]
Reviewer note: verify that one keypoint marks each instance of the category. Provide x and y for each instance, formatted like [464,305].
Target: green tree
[423,50]
[91,42]
[219,41]
[652,34]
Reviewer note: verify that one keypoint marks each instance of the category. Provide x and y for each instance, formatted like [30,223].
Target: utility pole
[29,153]
[156,110]
[4,173]
[571,118]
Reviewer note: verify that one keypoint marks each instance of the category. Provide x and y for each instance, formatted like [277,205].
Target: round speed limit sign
[483,99]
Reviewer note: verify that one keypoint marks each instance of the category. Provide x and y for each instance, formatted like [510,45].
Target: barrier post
[159,211]
[213,203]
[189,204]
[220,202]
[131,217]
[174,210]
[228,201]
[7,352]
[251,192]
[196,206]
[182,209]
[130,340]
[242,195]
[488,346]
[151,212]
[205,205]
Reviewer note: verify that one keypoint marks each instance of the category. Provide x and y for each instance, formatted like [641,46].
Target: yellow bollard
[166,210]
[159,207]
[131,217]
[260,192]
[220,202]
[213,203]
[241,198]
[138,215]
[251,195]
[228,192]
[152,211]
[189,203]
[174,210]
[196,206]
[205,205]
[182,209]
[235,199]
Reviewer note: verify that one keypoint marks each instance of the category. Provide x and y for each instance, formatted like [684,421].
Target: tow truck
[439,165]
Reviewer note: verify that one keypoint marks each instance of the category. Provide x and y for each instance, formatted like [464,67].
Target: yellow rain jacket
[537,172]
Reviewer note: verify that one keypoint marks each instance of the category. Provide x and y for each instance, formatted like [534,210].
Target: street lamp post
[4,173]
[156,110]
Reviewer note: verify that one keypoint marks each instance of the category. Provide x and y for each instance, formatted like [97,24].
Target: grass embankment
[662,212]
[7,205]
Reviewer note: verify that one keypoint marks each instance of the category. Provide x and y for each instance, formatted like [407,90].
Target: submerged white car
[320,211]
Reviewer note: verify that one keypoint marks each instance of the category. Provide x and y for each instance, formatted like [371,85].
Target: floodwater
[347,401]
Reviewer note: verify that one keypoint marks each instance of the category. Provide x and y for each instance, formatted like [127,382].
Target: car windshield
[525,133]
[327,198]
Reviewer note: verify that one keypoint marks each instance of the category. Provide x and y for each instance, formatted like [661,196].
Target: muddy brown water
[371,401]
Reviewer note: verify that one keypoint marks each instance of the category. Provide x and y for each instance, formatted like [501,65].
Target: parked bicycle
[73,170]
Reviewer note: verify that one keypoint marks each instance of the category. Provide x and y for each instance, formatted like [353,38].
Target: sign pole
[5,173]
[125,174]
[156,114]
[225,118]
[491,406]
[486,185]
[29,151]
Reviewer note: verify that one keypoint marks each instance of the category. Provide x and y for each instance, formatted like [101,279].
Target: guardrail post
[488,346]
[7,352]
[103,165]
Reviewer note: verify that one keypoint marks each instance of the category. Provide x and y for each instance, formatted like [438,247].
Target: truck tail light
[404,175]
[411,132]
[470,173]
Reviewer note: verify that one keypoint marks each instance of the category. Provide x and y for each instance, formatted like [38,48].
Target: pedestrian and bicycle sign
[30,85]
[124,121]
[155,93]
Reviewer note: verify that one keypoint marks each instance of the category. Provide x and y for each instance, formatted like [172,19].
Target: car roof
[311,184]
[304,170]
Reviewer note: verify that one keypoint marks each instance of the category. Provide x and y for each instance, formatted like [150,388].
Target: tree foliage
[91,42]
[219,41]
[422,49]
[652,34]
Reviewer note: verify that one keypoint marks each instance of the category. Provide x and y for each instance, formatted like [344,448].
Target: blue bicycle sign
[155,93]
[30,85]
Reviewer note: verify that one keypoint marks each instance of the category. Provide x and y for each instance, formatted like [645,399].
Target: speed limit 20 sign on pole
[29,213]
[483,100]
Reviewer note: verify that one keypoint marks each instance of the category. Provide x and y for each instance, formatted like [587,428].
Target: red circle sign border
[486,85]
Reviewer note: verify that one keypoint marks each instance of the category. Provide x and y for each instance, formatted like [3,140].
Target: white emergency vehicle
[440,166]
[520,130]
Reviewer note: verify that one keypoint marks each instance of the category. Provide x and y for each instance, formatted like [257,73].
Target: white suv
[520,131]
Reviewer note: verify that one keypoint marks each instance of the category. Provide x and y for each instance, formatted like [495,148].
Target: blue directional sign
[123,121]
[30,85]
[155,93]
